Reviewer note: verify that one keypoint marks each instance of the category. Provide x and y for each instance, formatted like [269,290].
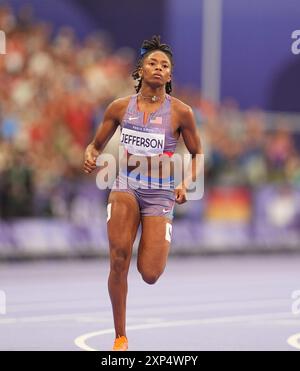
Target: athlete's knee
[150,277]
[120,260]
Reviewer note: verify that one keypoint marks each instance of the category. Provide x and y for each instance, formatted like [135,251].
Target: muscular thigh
[123,218]
[154,244]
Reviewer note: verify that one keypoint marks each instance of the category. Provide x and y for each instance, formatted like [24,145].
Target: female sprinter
[151,122]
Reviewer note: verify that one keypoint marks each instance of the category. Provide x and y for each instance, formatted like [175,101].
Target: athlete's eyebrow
[155,60]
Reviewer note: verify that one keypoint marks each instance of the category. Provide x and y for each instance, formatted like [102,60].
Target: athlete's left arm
[191,138]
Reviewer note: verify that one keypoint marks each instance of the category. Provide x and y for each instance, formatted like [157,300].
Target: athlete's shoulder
[120,103]
[181,108]
[117,108]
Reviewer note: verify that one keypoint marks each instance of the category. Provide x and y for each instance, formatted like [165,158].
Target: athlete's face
[156,69]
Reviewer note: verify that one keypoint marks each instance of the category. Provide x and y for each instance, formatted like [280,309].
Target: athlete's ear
[141,72]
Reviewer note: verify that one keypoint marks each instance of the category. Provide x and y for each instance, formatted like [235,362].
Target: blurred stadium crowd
[53,91]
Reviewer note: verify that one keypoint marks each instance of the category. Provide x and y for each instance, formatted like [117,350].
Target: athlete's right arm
[104,132]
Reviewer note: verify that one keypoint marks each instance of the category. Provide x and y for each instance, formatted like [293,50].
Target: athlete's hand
[91,155]
[180,195]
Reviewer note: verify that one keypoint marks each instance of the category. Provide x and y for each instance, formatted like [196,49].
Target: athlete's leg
[154,247]
[123,221]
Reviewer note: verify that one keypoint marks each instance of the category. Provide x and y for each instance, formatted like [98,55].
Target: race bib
[142,143]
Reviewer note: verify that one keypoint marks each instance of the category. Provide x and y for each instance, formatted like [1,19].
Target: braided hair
[148,47]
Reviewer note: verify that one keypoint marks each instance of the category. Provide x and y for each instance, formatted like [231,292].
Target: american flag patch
[157,120]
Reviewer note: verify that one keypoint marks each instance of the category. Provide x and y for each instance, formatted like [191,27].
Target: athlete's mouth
[157,75]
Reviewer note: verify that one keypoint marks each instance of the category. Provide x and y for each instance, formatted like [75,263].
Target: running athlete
[151,122]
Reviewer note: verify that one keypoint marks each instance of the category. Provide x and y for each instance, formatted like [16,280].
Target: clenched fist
[91,155]
[180,195]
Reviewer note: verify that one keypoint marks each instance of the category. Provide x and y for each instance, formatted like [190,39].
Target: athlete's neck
[152,95]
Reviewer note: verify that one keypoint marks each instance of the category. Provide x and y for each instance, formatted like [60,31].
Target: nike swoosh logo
[132,118]
[165,211]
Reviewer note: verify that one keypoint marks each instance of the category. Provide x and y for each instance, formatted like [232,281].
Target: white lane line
[49,318]
[98,317]
[175,308]
[294,341]
[146,311]
[80,341]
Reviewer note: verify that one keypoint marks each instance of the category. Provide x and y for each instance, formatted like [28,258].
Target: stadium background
[66,60]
